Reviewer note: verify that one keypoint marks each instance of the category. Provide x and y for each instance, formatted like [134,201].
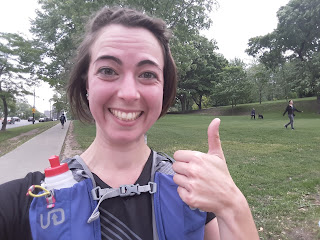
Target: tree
[59,26]
[260,76]
[265,48]
[18,60]
[298,28]
[297,37]
[208,66]
[11,107]
[60,103]
[198,66]
[232,85]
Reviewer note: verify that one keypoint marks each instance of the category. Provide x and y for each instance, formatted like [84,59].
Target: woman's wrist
[235,220]
[233,203]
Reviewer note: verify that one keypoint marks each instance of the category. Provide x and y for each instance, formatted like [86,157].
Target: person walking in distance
[290,109]
[253,114]
[62,120]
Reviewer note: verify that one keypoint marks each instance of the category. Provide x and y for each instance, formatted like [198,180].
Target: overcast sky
[234,22]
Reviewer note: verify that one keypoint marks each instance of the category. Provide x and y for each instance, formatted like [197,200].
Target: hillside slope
[308,105]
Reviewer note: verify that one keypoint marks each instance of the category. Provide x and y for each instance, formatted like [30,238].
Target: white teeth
[125,116]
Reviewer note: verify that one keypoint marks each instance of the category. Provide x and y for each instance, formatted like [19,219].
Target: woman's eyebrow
[148,62]
[118,61]
[108,57]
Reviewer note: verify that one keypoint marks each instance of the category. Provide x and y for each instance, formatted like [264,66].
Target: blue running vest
[68,219]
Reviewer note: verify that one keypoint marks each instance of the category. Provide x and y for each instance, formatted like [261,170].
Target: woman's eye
[107,71]
[148,75]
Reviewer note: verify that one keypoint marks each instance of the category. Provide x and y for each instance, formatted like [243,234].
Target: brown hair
[76,89]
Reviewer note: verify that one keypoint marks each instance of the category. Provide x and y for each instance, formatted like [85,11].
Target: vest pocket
[194,221]
[174,219]
[68,218]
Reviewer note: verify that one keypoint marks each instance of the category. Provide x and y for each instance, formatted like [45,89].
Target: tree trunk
[232,107]
[5,111]
[188,107]
[198,102]
[183,102]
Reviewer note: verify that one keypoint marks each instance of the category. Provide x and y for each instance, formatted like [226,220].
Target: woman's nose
[129,89]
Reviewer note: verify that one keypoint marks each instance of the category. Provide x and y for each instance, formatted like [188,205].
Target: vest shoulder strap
[79,168]
[161,163]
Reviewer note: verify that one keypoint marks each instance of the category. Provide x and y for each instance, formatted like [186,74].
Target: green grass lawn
[277,169]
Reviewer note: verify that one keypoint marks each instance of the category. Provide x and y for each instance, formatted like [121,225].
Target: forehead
[118,39]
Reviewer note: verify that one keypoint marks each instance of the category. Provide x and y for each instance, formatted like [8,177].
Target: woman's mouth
[125,116]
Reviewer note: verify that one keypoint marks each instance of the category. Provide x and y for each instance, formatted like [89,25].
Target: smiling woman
[124,78]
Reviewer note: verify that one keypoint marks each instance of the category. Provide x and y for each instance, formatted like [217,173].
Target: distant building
[53,114]
[47,113]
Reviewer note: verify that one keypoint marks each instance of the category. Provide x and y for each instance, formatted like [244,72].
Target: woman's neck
[117,164]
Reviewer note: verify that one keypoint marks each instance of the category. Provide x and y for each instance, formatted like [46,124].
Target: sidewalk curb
[64,140]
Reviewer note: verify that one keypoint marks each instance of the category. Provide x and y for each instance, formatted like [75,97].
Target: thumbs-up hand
[203,179]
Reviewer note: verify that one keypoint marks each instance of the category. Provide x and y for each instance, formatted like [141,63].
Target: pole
[50,108]
[34,104]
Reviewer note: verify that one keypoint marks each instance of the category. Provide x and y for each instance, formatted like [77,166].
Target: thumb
[214,139]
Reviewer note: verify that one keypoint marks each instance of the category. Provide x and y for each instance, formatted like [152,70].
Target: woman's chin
[127,139]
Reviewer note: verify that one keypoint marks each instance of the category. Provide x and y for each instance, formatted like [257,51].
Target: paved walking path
[33,155]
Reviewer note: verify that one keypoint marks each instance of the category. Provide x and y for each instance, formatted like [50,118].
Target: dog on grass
[260,116]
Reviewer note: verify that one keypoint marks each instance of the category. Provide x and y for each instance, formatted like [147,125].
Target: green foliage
[60,102]
[18,62]
[296,36]
[298,28]
[260,76]
[296,40]
[232,85]
[198,67]
[59,27]
[265,48]
[23,110]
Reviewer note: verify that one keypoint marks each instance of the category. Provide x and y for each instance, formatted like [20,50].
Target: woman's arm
[205,182]
[294,109]
[231,226]
[285,111]
[211,230]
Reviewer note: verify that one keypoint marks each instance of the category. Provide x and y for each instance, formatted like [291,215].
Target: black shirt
[290,109]
[121,217]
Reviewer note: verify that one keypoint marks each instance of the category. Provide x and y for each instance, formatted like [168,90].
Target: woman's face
[125,82]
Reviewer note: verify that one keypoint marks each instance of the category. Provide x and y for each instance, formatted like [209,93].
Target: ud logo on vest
[57,216]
